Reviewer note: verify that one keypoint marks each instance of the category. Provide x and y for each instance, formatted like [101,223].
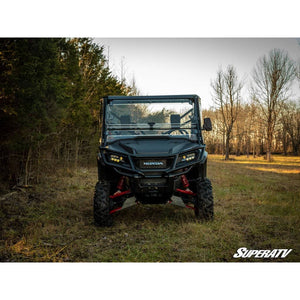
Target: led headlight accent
[187,157]
[116,158]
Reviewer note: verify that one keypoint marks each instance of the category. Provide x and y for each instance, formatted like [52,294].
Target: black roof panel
[152,97]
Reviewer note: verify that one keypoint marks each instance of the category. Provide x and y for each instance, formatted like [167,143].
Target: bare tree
[298,71]
[290,118]
[272,78]
[133,90]
[252,128]
[215,138]
[226,96]
[123,70]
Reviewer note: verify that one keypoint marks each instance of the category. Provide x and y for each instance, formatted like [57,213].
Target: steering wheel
[139,132]
[182,131]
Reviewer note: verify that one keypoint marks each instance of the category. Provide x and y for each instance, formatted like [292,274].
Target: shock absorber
[120,185]
[185,182]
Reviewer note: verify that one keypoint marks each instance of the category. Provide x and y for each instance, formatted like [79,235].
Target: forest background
[49,113]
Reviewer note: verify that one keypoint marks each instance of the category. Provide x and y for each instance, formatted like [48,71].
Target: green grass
[256,206]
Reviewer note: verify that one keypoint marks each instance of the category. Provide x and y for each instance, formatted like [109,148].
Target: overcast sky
[187,66]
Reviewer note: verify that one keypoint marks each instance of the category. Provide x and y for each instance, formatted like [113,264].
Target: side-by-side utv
[152,152]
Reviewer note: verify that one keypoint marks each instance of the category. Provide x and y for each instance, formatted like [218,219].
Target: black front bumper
[133,169]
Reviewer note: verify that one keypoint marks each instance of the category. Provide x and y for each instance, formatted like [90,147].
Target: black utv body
[152,152]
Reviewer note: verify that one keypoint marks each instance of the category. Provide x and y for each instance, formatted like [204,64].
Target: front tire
[102,205]
[204,206]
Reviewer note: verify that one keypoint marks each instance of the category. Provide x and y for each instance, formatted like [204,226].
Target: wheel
[102,205]
[204,205]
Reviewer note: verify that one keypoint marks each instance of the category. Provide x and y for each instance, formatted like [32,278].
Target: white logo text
[275,253]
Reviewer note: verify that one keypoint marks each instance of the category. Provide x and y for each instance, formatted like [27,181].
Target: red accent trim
[191,207]
[186,192]
[120,183]
[185,182]
[114,210]
[119,194]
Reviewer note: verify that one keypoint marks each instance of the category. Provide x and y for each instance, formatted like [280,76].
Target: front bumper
[132,170]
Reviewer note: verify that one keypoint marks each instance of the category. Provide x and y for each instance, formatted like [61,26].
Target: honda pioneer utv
[152,152]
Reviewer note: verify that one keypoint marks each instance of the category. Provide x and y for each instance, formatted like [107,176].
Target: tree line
[49,113]
[267,122]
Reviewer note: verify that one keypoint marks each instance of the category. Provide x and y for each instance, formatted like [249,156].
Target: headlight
[187,157]
[116,158]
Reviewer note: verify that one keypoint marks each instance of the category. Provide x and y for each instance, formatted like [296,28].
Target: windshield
[133,118]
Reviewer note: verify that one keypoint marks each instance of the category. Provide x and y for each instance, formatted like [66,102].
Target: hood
[153,146]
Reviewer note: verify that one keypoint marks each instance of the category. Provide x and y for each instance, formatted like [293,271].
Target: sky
[164,66]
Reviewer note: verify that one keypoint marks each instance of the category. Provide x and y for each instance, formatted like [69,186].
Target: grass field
[257,205]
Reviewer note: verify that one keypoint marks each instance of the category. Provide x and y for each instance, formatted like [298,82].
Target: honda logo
[153,163]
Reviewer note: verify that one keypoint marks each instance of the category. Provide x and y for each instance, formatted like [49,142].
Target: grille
[152,164]
[153,182]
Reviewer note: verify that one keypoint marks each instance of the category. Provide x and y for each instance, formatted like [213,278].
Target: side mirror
[207,124]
